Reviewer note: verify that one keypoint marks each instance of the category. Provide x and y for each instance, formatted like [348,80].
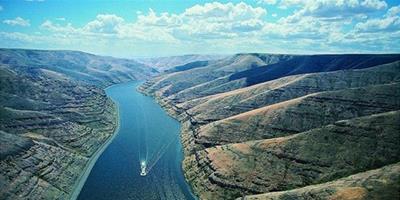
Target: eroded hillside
[54,116]
[288,126]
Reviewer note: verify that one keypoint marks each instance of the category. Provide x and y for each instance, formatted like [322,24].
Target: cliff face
[295,133]
[53,118]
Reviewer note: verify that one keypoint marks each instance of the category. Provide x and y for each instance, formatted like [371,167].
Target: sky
[152,28]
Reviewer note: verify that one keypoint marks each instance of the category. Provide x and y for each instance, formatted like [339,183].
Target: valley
[253,126]
[54,117]
[208,100]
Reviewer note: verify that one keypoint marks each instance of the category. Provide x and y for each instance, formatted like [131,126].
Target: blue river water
[146,133]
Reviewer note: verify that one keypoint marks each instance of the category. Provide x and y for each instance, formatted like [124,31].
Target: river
[145,130]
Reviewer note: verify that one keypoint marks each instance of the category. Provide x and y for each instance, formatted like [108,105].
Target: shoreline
[92,160]
[164,106]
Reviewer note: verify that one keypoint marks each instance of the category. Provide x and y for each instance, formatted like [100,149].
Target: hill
[288,126]
[80,66]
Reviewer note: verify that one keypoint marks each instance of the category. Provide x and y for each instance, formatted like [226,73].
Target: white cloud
[320,25]
[63,29]
[60,19]
[18,21]
[108,26]
[330,25]
[211,20]
[390,22]
[269,2]
[334,9]
[284,4]
[322,19]
[196,25]
[376,4]
[379,4]
[104,23]
[229,11]
[164,19]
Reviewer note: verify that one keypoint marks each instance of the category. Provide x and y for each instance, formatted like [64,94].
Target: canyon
[253,125]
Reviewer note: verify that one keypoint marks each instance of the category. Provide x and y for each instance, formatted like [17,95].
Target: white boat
[143,168]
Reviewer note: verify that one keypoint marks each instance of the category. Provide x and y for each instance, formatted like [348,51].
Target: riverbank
[92,161]
[186,138]
[144,128]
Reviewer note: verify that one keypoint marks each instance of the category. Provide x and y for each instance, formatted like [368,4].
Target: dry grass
[350,193]
[242,148]
[221,160]
[261,86]
[265,109]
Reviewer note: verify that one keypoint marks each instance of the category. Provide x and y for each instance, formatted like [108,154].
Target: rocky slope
[54,115]
[298,125]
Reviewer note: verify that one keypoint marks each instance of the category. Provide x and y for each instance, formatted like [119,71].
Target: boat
[143,168]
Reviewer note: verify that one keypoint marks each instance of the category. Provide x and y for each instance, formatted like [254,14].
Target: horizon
[150,29]
[137,58]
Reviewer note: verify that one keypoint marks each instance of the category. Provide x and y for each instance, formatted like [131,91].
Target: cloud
[162,20]
[210,24]
[60,19]
[334,9]
[227,11]
[390,22]
[367,3]
[269,2]
[108,26]
[104,23]
[18,21]
[57,28]
[337,26]
[208,21]
[312,26]
[284,4]
[322,19]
